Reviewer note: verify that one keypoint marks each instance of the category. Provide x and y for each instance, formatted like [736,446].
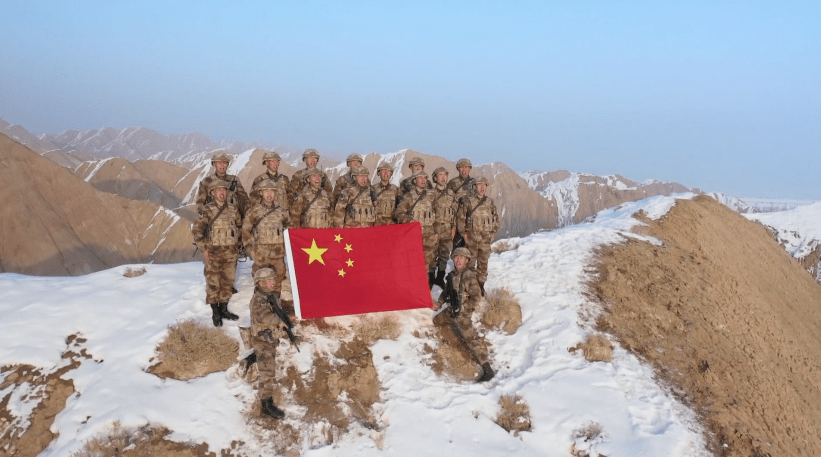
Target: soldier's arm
[261,314]
[339,210]
[327,186]
[400,213]
[238,225]
[198,230]
[495,217]
[202,195]
[296,211]
[244,201]
[461,212]
[247,236]
[470,287]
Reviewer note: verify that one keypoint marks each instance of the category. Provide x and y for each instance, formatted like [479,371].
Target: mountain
[54,223]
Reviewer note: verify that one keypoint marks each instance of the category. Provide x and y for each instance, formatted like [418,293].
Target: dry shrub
[141,442]
[503,246]
[596,348]
[503,311]
[193,349]
[132,273]
[585,439]
[372,329]
[514,414]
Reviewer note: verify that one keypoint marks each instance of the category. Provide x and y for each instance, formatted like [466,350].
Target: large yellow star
[341,273]
[348,248]
[337,238]
[315,253]
[349,262]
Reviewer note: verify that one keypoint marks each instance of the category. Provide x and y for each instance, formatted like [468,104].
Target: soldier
[416,164]
[462,185]
[271,161]
[477,221]
[356,206]
[312,206]
[417,205]
[347,180]
[463,287]
[220,162]
[311,158]
[217,234]
[262,232]
[386,195]
[266,332]
[443,204]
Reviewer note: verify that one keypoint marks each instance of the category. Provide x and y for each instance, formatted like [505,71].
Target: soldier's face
[385,174]
[267,284]
[316,179]
[442,177]
[220,193]
[459,261]
[312,161]
[268,195]
[221,166]
[464,171]
[362,180]
[481,188]
[272,164]
[417,167]
[354,163]
[421,181]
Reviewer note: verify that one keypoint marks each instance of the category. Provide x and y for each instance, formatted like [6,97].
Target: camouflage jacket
[284,195]
[355,207]
[262,318]
[270,221]
[298,183]
[342,183]
[443,204]
[467,286]
[415,207]
[386,196]
[204,196]
[475,217]
[461,187]
[217,226]
[318,215]
[407,185]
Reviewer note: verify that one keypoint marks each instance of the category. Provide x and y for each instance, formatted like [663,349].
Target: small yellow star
[315,253]
[349,262]
[338,238]
[348,248]
[341,273]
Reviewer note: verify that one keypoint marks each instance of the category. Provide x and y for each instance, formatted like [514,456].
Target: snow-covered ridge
[798,230]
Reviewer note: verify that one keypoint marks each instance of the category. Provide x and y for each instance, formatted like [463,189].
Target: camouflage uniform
[266,334]
[222,224]
[386,195]
[347,179]
[312,206]
[282,182]
[443,205]
[461,187]
[234,189]
[298,179]
[262,233]
[356,204]
[477,219]
[407,184]
[417,205]
[467,287]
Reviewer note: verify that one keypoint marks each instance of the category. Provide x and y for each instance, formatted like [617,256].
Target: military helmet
[462,251]
[220,157]
[310,172]
[439,170]
[384,166]
[464,163]
[481,180]
[418,174]
[264,273]
[271,156]
[266,184]
[360,170]
[416,161]
[217,183]
[310,153]
[353,157]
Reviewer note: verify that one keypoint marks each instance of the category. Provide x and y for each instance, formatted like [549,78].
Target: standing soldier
[417,205]
[347,180]
[356,204]
[416,164]
[217,234]
[462,185]
[262,232]
[266,333]
[443,204]
[311,158]
[386,195]
[462,292]
[220,162]
[477,221]
[271,161]
[312,206]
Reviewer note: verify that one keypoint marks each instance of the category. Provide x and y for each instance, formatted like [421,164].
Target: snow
[798,230]
[239,162]
[123,320]
[97,167]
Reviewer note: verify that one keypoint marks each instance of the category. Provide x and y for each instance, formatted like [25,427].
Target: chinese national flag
[357,270]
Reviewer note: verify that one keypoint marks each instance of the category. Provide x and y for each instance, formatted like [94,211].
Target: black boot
[440,278]
[430,279]
[269,409]
[216,317]
[225,314]
[487,373]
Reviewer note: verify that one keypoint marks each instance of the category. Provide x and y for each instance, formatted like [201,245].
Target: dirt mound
[728,319]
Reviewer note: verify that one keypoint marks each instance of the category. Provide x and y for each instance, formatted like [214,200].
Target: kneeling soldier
[462,294]
[262,232]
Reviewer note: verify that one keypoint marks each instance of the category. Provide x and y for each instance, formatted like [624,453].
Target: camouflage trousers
[429,244]
[219,274]
[470,340]
[266,364]
[479,246]
[443,248]
[273,257]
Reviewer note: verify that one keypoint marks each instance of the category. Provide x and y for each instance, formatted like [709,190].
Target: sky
[723,96]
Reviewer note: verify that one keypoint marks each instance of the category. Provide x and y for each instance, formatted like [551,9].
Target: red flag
[357,270]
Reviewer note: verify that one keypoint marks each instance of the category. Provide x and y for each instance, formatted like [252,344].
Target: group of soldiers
[458,219]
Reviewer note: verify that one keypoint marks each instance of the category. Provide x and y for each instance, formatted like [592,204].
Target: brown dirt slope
[729,320]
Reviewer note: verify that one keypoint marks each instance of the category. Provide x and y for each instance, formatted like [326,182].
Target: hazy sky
[724,96]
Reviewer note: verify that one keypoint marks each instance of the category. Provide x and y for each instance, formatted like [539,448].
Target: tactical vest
[444,207]
[270,229]
[386,201]
[230,193]
[224,231]
[319,214]
[424,211]
[482,220]
[362,210]
[465,190]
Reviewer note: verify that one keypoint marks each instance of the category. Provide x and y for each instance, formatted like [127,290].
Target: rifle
[283,316]
[458,241]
